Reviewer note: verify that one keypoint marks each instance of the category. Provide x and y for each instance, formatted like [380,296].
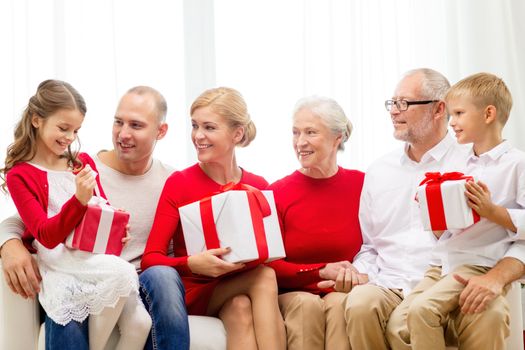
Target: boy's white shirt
[502,169]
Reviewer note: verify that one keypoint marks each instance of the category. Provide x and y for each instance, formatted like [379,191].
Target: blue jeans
[73,335]
[162,292]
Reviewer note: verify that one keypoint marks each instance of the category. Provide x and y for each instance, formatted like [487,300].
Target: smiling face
[315,145]
[466,120]
[212,137]
[136,128]
[56,132]
[416,123]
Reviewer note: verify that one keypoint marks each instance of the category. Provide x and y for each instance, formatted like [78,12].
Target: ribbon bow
[433,181]
[437,177]
[259,208]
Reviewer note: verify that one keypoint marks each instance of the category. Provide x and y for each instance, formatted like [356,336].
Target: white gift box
[444,205]
[235,229]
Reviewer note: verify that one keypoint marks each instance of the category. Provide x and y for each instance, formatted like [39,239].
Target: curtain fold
[272,51]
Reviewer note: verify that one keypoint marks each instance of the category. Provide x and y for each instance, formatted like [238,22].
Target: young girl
[39,171]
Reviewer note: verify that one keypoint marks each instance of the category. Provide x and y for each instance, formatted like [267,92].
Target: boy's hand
[85,182]
[478,196]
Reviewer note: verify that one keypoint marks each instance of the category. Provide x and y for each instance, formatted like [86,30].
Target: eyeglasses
[402,105]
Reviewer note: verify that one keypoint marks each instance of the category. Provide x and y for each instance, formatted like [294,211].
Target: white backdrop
[273,51]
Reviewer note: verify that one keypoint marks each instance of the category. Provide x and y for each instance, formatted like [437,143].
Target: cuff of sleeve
[516,251]
[518,219]
[313,267]
[183,268]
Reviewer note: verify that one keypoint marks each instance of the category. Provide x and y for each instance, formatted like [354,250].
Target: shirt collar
[493,154]
[435,153]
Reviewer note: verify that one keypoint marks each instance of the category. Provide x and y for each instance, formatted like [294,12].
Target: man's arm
[20,268]
[481,290]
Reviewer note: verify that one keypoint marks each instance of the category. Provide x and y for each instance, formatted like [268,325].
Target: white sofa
[20,327]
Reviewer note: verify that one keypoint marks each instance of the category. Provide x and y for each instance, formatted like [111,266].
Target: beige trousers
[367,310]
[312,322]
[429,317]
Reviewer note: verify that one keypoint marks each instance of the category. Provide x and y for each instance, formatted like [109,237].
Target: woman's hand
[85,182]
[209,264]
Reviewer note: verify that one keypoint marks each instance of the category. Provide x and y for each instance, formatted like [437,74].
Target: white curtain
[272,51]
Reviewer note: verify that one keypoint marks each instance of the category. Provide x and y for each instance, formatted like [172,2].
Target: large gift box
[101,230]
[242,218]
[443,202]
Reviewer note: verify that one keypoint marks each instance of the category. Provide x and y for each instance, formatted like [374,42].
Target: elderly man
[132,179]
[396,250]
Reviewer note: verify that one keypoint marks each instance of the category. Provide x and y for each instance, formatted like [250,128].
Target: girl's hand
[85,182]
[209,264]
[478,196]
[127,238]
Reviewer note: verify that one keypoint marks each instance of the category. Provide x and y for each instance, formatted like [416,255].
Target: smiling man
[396,250]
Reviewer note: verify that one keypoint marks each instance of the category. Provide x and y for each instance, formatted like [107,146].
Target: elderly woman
[318,210]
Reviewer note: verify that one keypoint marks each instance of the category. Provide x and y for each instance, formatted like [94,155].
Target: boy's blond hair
[485,89]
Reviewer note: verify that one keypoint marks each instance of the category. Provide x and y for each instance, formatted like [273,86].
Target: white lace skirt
[76,284]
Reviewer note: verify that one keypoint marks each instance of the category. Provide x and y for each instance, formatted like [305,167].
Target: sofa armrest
[19,319]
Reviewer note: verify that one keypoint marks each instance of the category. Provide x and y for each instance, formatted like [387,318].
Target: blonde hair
[330,112]
[484,89]
[50,97]
[229,104]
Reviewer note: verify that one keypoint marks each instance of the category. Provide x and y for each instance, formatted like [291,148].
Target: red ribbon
[433,181]
[259,208]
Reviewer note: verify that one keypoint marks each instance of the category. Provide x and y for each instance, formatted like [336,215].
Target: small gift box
[443,202]
[241,217]
[101,230]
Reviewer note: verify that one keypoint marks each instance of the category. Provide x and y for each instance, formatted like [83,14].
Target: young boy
[479,107]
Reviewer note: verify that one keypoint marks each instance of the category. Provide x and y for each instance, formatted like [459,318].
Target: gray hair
[160,101]
[434,85]
[330,112]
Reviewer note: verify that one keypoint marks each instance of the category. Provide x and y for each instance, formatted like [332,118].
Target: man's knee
[161,278]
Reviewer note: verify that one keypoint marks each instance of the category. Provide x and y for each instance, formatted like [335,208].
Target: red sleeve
[165,224]
[50,232]
[86,159]
[296,276]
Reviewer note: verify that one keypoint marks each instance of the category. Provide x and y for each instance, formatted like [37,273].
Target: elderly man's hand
[20,269]
[346,280]
[331,270]
[479,292]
